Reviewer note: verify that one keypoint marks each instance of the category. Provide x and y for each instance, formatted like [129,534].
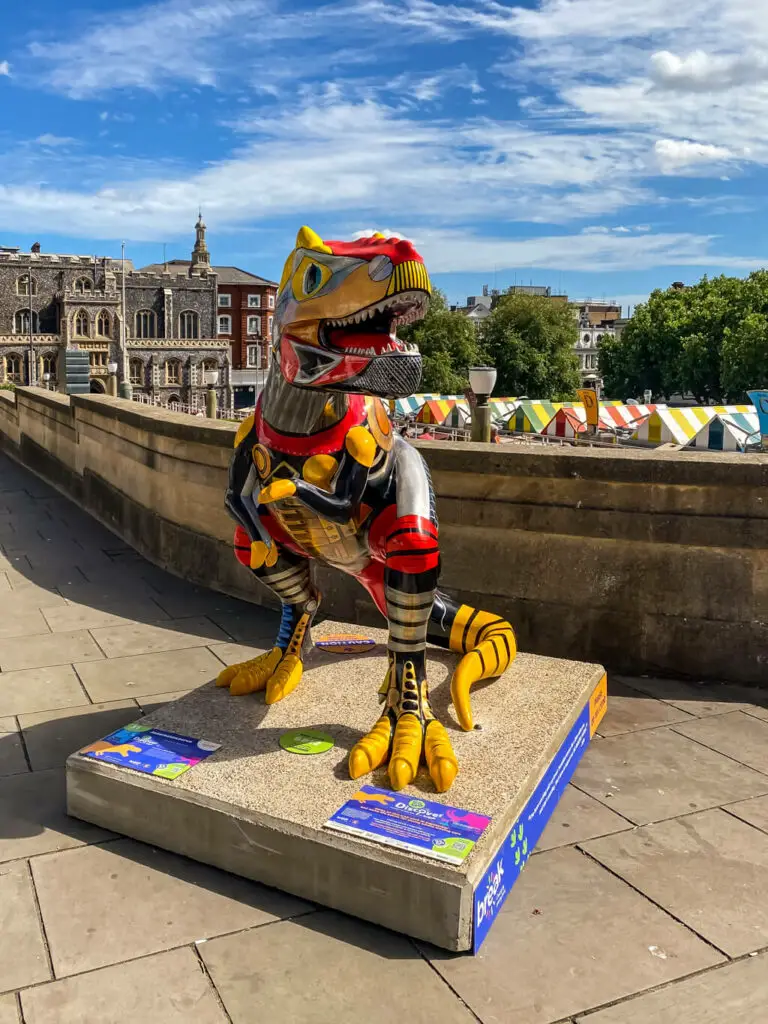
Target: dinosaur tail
[487,642]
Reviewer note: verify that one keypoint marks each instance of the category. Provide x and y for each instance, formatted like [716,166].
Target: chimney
[485,291]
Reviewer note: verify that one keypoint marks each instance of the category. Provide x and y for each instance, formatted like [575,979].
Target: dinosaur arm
[349,481]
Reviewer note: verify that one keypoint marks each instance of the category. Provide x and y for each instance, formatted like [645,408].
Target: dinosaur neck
[293,410]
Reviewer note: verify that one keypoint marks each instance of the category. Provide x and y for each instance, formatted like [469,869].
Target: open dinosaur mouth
[373,331]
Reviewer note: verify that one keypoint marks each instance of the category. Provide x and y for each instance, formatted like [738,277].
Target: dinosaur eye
[309,277]
[313,278]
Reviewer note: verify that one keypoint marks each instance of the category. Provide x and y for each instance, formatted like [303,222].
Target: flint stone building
[77,302]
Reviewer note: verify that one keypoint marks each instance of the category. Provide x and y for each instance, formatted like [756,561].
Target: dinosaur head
[337,313]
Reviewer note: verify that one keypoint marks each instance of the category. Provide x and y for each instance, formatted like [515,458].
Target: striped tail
[487,642]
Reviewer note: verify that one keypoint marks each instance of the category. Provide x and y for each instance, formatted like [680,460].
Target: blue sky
[602,147]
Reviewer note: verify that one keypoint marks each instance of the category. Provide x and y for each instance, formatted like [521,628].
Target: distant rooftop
[226,275]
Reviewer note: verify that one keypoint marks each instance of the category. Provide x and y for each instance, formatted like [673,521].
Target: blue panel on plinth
[511,857]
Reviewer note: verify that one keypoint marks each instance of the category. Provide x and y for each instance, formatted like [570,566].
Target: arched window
[83,286]
[26,285]
[49,364]
[81,324]
[174,402]
[146,324]
[189,324]
[136,371]
[13,368]
[173,372]
[21,322]
[103,324]
[599,338]
[586,339]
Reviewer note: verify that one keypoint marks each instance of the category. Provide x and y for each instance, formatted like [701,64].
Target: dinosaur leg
[408,726]
[487,642]
[288,576]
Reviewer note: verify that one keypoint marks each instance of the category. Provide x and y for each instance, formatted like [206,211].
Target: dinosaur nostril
[380,268]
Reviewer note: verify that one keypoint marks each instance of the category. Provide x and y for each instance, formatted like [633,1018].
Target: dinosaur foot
[403,742]
[276,672]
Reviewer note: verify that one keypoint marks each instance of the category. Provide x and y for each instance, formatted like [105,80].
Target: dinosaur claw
[401,773]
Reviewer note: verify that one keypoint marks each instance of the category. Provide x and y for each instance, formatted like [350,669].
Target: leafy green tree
[448,343]
[530,340]
[705,340]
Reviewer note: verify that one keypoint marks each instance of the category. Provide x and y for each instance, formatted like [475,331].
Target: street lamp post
[482,380]
[112,380]
[211,379]
[47,381]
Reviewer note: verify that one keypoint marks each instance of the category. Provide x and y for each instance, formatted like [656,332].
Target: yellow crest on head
[309,239]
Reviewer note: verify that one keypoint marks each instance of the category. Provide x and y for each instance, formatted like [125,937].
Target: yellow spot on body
[319,470]
[361,446]
[277,490]
[243,430]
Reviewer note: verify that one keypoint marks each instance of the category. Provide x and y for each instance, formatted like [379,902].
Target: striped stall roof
[434,411]
[532,417]
[729,431]
[680,426]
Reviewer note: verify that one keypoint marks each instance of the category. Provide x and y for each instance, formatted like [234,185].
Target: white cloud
[703,72]
[5,68]
[54,140]
[675,154]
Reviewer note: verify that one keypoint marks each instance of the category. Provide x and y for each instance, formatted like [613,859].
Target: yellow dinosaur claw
[285,679]
[252,676]
[468,671]
[370,751]
[406,751]
[225,677]
[441,760]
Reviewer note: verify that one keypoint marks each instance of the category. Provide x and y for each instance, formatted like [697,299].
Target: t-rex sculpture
[318,474]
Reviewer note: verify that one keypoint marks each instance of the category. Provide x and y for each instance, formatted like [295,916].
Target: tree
[709,340]
[530,340]
[448,344]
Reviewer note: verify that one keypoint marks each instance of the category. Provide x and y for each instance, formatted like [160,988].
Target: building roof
[226,275]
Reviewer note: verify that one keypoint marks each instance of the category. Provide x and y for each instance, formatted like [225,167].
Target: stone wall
[650,562]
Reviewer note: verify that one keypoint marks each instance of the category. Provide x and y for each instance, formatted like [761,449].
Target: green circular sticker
[306,741]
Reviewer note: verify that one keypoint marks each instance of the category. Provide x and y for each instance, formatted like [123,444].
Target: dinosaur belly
[343,545]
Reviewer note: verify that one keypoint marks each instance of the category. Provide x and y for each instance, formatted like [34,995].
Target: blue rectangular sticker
[421,826]
[150,751]
[494,887]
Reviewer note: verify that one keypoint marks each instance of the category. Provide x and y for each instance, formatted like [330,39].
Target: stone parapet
[647,561]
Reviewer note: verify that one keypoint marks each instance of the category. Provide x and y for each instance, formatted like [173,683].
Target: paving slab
[754,811]
[145,675]
[52,649]
[578,817]
[231,654]
[630,710]
[570,936]
[699,699]
[83,616]
[39,689]
[33,817]
[105,904]
[9,1012]
[166,988]
[650,775]
[735,992]
[257,810]
[51,736]
[12,759]
[173,635]
[740,736]
[254,624]
[709,870]
[21,622]
[30,597]
[756,712]
[327,967]
[23,960]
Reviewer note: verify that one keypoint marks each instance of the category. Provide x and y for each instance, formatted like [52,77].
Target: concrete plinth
[258,811]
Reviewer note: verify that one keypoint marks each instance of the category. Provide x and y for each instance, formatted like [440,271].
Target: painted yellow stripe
[457,629]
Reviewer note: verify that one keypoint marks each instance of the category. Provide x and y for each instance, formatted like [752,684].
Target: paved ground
[648,900]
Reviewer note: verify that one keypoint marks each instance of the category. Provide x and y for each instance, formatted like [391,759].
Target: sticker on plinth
[306,741]
[345,643]
[150,751]
[420,826]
